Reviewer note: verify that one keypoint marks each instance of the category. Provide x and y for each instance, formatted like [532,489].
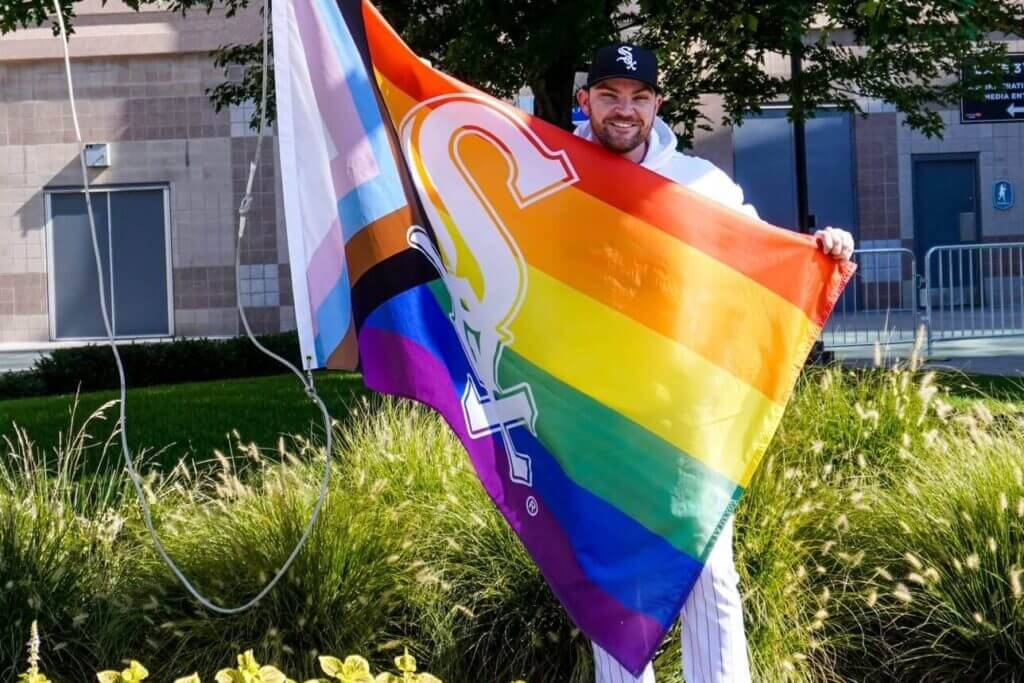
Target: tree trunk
[553,95]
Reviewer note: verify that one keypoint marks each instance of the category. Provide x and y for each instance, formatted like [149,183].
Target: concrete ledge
[121,32]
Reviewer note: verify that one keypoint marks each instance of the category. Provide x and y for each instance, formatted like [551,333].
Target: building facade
[169,173]
[890,185]
[167,180]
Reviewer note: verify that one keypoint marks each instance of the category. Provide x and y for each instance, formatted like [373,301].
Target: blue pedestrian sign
[1002,195]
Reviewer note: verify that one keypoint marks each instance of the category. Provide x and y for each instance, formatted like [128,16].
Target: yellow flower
[33,677]
[133,674]
[250,671]
[194,678]
[406,663]
[354,669]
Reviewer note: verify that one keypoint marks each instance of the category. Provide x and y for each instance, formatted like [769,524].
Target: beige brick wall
[1000,151]
[154,113]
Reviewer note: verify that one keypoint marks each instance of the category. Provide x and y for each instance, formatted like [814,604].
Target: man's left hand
[835,243]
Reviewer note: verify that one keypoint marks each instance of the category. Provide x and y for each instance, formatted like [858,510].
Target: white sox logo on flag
[626,57]
[472,237]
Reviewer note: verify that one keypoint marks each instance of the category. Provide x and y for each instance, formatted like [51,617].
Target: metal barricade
[974,291]
[879,304]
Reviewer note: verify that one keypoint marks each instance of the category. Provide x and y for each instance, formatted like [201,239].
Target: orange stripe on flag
[378,241]
[750,246]
[665,284]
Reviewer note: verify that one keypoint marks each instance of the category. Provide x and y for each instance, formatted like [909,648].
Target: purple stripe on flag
[353,163]
[325,267]
[394,364]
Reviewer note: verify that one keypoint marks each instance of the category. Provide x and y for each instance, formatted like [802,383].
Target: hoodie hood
[662,143]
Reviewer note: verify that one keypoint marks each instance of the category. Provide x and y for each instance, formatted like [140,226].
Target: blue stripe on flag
[640,568]
[332,318]
[385,194]
[366,203]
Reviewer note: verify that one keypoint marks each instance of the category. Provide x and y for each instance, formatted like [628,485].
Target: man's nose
[625,108]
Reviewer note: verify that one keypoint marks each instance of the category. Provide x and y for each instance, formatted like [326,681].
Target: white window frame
[51,293]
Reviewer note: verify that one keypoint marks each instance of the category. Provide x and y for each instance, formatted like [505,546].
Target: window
[133,235]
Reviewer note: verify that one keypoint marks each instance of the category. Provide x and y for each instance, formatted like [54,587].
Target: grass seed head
[913,561]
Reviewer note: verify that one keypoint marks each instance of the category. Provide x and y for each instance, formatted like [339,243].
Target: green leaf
[271,674]
[331,666]
[406,663]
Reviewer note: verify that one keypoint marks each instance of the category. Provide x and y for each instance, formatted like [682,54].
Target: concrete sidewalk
[978,356]
[17,360]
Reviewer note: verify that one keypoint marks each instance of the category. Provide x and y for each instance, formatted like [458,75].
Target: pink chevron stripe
[325,267]
[353,162]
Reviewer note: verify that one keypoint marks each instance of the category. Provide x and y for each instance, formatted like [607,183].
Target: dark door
[766,170]
[138,245]
[75,285]
[946,213]
[132,236]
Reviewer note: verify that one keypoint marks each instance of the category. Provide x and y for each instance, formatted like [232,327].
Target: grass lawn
[191,419]
[1007,390]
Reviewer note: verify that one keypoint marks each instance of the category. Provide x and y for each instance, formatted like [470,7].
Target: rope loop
[307,382]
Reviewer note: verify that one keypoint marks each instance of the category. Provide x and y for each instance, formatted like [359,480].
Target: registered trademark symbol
[531,506]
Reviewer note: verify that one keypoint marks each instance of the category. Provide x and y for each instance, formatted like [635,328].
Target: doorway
[946,212]
[765,167]
[132,230]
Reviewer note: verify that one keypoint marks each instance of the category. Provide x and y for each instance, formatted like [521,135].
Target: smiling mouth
[623,126]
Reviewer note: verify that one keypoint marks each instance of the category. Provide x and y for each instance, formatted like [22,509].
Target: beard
[616,140]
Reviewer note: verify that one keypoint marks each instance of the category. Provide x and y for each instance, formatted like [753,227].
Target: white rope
[307,380]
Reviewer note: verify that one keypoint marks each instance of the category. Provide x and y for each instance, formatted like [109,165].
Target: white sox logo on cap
[626,57]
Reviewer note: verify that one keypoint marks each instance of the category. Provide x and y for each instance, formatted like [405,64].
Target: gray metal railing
[879,304]
[974,291]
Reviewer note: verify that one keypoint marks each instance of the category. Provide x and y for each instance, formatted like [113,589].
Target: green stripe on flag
[656,484]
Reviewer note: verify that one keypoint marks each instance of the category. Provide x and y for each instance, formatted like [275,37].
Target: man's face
[621,111]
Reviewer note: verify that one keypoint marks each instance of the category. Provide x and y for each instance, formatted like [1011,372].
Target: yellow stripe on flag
[657,383]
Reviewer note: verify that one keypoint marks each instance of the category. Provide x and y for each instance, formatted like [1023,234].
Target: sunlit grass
[883,537]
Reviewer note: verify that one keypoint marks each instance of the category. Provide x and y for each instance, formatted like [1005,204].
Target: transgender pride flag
[342,181]
[614,351]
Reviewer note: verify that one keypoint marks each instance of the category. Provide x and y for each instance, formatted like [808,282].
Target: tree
[502,45]
[907,52]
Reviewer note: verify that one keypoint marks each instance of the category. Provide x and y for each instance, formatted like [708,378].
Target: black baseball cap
[623,60]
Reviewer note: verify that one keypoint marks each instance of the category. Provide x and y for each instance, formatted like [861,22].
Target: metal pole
[804,220]
[804,223]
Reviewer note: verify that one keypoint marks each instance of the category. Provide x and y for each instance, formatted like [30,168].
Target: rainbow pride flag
[614,351]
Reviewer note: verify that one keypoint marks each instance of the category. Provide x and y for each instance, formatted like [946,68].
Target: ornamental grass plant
[881,539]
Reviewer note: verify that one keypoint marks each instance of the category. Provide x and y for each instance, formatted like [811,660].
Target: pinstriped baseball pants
[714,644]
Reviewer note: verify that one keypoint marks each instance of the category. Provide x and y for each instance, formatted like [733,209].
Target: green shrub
[21,384]
[867,471]
[92,367]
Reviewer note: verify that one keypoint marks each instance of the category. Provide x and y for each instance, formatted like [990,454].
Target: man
[621,99]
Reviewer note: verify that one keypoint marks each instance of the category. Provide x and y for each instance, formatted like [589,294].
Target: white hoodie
[698,174]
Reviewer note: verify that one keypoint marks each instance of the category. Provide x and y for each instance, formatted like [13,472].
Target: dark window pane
[140,262]
[76,290]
